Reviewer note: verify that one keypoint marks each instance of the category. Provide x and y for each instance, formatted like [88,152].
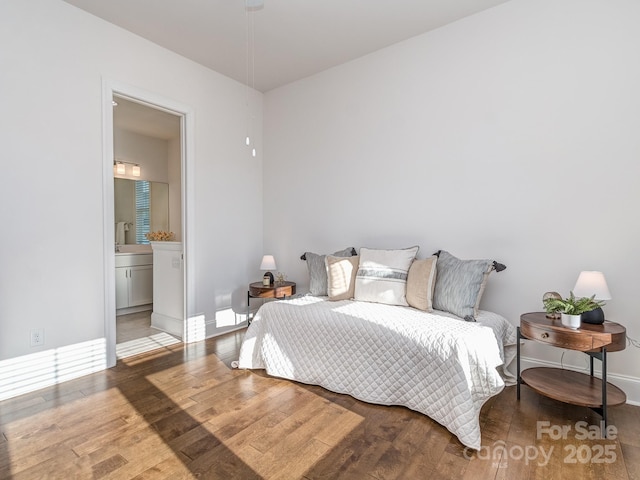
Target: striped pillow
[421,282]
[382,275]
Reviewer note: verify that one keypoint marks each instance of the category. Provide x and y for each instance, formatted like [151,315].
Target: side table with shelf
[280,290]
[569,386]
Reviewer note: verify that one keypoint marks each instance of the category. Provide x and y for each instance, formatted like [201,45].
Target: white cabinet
[134,280]
[122,287]
[168,295]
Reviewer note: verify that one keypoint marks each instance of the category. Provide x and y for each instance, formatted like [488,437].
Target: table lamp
[268,263]
[592,284]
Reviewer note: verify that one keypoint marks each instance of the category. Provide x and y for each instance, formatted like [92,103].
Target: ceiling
[293,38]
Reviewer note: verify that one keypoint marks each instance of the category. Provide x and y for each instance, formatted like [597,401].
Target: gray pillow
[460,284]
[318,270]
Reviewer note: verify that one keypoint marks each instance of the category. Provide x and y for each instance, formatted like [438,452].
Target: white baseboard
[195,328]
[32,372]
[226,330]
[139,308]
[629,385]
[174,326]
[42,369]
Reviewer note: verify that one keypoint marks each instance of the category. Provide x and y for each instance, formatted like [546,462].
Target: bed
[431,362]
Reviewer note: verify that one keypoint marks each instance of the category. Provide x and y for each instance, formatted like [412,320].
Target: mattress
[433,363]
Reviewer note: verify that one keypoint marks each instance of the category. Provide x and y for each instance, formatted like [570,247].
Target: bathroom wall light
[121,168]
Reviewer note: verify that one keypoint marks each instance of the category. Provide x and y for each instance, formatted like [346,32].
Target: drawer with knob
[587,338]
[567,339]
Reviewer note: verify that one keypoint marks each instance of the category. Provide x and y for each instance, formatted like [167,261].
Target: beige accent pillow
[421,281]
[341,276]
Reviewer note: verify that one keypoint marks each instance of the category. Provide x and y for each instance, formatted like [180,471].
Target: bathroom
[147,198]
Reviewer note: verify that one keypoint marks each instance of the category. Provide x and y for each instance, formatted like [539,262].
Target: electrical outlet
[37,337]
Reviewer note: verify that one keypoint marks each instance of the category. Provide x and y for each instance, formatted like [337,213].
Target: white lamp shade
[268,263]
[590,284]
[120,168]
[135,170]
[252,5]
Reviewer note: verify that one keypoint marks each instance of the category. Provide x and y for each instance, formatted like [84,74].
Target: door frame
[153,100]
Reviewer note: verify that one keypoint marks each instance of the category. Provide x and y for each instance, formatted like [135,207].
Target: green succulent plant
[572,305]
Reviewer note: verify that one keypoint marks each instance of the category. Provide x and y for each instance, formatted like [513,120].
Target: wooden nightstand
[280,290]
[566,385]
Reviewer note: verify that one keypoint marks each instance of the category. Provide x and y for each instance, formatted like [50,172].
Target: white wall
[159,161]
[152,154]
[175,188]
[53,66]
[511,135]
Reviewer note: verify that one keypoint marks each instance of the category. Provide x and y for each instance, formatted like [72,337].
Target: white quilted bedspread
[433,363]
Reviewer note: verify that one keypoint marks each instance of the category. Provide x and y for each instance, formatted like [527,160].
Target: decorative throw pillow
[460,284]
[341,277]
[318,270]
[382,275]
[421,280]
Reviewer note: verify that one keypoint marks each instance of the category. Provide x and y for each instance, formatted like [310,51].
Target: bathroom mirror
[140,207]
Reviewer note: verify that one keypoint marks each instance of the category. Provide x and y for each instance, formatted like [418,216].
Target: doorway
[147,201]
[145,153]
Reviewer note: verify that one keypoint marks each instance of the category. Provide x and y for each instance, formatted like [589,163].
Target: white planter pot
[570,321]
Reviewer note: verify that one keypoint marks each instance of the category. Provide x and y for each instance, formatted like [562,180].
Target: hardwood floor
[182,412]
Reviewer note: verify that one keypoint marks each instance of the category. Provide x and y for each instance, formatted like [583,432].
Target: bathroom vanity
[134,282]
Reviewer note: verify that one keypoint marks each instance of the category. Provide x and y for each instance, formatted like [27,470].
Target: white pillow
[382,275]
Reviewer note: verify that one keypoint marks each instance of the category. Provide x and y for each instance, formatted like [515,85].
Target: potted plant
[571,308]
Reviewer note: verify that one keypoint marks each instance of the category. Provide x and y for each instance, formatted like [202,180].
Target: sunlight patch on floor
[144,344]
[289,440]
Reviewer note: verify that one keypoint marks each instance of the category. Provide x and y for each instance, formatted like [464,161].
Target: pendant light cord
[248,110]
[250,79]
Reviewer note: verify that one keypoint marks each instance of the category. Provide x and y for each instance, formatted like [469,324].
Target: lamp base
[594,317]
[268,275]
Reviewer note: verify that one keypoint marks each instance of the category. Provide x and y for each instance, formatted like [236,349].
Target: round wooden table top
[275,290]
[537,326]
